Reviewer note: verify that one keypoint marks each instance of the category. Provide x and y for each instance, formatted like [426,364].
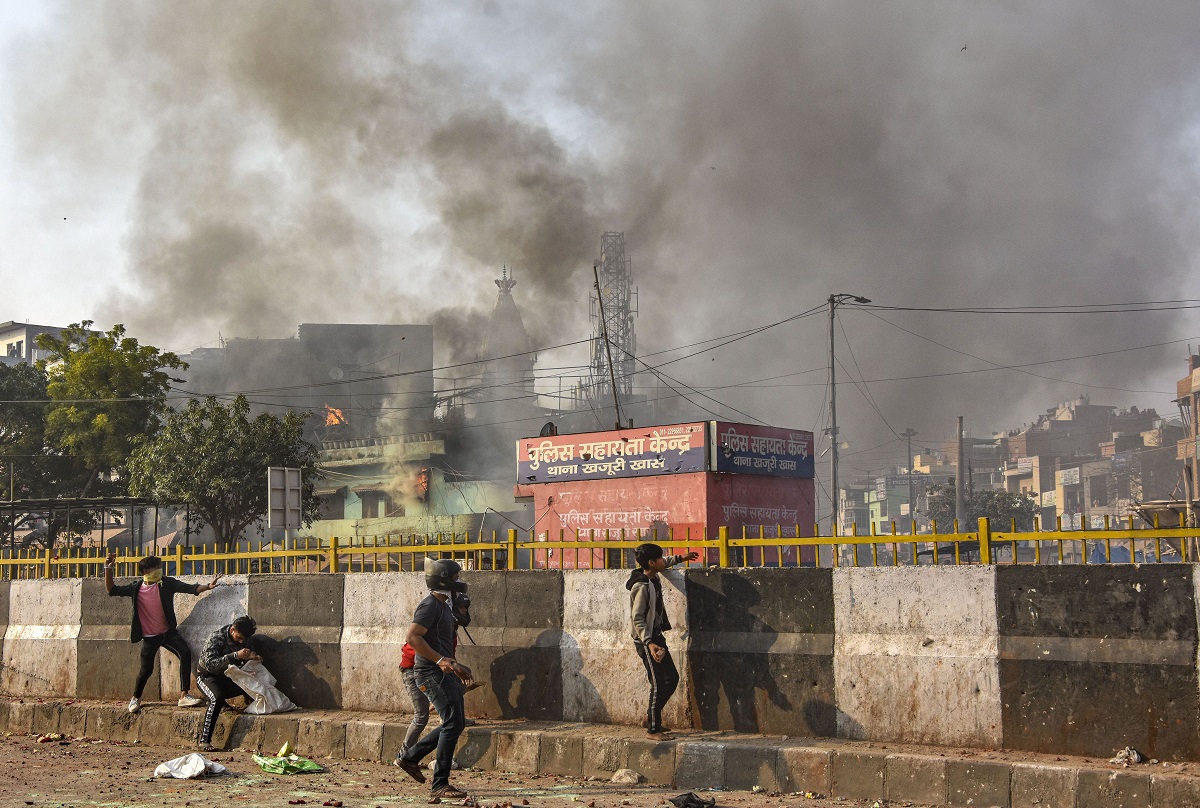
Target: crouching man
[228,645]
[154,624]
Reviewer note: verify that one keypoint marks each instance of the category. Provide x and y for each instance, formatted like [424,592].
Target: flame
[423,485]
[333,416]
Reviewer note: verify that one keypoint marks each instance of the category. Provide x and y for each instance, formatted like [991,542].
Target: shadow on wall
[527,682]
[581,699]
[734,681]
[290,661]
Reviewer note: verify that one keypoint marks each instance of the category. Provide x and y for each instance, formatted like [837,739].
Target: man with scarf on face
[460,604]
[154,623]
[649,620]
[438,675]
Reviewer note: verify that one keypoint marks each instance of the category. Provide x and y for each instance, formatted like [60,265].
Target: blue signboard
[766,450]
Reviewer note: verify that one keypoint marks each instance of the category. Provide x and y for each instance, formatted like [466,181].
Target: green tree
[109,391]
[215,458]
[1000,507]
[29,468]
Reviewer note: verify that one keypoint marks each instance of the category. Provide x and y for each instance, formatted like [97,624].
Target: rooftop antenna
[612,376]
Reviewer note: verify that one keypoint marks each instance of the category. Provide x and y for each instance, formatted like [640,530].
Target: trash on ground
[691,800]
[291,764]
[1126,756]
[189,767]
[626,776]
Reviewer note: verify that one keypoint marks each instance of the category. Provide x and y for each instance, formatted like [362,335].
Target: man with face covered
[438,675]
[460,604]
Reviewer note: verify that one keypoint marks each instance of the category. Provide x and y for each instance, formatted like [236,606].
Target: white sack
[189,767]
[258,682]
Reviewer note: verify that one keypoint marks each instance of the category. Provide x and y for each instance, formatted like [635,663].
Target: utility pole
[960,486]
[834,494]
[909,434]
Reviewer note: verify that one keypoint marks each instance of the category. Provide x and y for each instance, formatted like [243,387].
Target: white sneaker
[188,700]
[135,704]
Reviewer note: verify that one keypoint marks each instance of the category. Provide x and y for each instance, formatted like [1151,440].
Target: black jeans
[664,678]
[445,693]
[217,689]
[173,641]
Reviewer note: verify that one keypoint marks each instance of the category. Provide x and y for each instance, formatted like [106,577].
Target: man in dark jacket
[154,624]
[648,620]
[228,645]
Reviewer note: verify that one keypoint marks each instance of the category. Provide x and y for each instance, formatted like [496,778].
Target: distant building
[17,342]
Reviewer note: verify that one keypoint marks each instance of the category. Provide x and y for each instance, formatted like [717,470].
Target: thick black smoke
[370,162]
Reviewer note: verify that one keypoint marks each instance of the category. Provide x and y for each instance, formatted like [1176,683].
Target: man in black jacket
[228,645]
[154,624]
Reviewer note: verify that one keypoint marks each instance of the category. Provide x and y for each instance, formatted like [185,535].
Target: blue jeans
[445,693]
[420,709]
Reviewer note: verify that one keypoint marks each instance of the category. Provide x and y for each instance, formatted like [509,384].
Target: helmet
[441,574]
[460,604]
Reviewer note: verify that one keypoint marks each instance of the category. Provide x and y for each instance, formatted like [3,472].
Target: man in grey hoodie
[649,620]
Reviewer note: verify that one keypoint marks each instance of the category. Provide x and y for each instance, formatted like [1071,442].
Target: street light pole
[834,498]
[909,434]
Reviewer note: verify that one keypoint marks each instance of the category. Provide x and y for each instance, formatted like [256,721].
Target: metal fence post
[723,546]
[47,562]
[179,559]
[333,554]
[985,541]
[512,548]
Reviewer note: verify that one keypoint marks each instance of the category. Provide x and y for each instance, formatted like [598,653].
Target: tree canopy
[108,391]
[215,457]
[34,469]
[1000,507]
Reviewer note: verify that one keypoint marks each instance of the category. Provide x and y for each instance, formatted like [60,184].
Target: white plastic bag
[189,767]
[258,682]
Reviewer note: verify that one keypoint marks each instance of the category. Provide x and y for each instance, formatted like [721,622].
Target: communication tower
[613,307]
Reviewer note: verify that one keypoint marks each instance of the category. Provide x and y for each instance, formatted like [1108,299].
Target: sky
[197,170]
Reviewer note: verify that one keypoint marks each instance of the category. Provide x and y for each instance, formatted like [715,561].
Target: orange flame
[333,416]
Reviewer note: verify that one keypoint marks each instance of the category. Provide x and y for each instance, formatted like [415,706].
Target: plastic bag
[189,767]
[292,764]
[258,682]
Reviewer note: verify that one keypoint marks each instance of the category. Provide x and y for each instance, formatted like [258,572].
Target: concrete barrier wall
[915,655]
[40,642]
[300,633]
[761,652]
[377,613]
[1096,658]
[1072,660]
[517,626]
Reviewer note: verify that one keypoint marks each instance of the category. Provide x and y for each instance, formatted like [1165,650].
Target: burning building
[358,382]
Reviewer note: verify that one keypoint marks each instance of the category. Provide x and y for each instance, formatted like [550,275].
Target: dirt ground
[99,773]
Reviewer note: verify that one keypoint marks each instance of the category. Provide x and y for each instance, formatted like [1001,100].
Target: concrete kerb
[694,761]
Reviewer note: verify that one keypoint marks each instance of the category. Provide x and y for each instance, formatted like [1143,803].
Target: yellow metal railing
[614,549]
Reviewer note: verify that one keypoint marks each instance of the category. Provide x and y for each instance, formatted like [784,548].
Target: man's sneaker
[188,700]
[411,769]
[135,704]
[205,746]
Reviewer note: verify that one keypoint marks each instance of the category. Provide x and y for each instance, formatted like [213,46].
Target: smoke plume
[294,162]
